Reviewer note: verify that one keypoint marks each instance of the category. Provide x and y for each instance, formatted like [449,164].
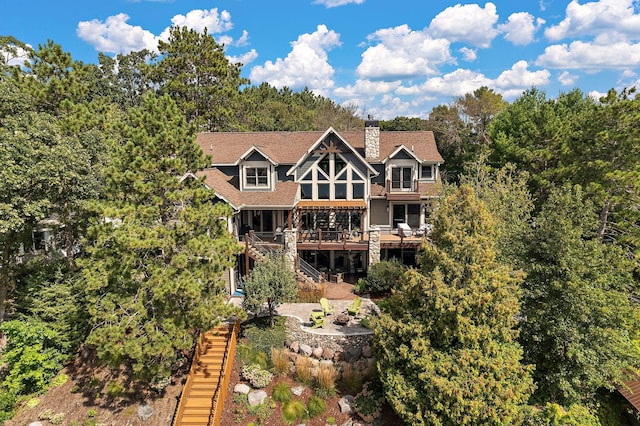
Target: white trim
[250,151]
[402,148]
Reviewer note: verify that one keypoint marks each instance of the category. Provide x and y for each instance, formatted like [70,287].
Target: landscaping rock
[346,404]
[145,412]
[297,390]
[256,397]
[305,350]
[353,355]
[317,352]
[242,388]
[328,353]
[366,351]
[326,363]
[338,357]
[295,347]
[35,424]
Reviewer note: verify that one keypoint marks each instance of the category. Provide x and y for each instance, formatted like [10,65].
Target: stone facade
[374,245]
[371,140]
[290,246]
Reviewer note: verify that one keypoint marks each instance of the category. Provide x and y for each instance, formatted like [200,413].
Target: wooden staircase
[203,395]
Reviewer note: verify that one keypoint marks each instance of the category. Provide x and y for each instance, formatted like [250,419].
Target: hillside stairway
[203,395]
[258,249]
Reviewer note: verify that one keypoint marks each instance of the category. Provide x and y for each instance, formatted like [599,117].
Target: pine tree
[445,344]
[154,275]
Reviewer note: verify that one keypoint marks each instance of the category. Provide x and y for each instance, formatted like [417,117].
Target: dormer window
[256,177]
[427,172]
[401,178]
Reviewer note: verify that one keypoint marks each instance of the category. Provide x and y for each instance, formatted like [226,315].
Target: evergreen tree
[579,325]
[154,275]
[445,344]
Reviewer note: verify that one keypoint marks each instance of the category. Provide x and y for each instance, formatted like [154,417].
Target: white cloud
[468,23]
[597,18]
[336,3]
[583,55]
[305,66]
[456,83]
[366,88]
[199,19]
[469,55]
[245,58]
[15,58]
[402,53]
[567,79]
[115,35]
[520,28]
[519,77]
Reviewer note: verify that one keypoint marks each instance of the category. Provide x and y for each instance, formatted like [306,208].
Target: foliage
[158,251]
[556,415]
[315,406]
[304,369]
[263,337]
[258,377]
[189,56]
[326,378]
[445,345]
[280,361]
[282,392]
[384,276]
[32,356]
[580,326]
[293,410]
[368,402]
[351,379]
[271,282]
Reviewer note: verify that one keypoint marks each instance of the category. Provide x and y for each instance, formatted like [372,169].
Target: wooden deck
[203,395]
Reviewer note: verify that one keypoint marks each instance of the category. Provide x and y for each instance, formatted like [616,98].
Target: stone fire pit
[341,319]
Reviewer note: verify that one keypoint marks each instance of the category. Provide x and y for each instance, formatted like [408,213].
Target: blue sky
[386,58]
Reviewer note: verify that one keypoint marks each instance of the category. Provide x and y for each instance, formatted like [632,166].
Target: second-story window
[401,178]
[257,177]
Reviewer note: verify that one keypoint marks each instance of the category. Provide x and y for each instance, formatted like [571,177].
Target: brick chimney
[371,139]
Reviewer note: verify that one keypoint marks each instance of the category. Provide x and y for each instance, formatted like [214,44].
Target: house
[336,201]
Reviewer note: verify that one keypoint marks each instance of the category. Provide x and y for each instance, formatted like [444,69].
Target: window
[401,178]
[256,177]
[341,191]
[305,191]
[323,191]
[427,171]
[358,191]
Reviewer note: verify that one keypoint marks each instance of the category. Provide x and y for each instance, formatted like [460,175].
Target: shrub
[315,406]
[280,361]
[360,286]
[57,419]
[304,370]
[258,377]
[282,392]
[368,403]
[292,411]
[263,337]
[352,379]
[384,275]
[327,377]
[114,389]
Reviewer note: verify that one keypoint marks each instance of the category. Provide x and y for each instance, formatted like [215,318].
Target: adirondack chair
[326,307]
[354,307]
[317,319]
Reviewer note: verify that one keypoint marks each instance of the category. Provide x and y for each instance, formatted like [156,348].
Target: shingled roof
[289,147]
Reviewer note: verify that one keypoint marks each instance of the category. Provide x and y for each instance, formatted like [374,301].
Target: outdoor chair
[317,319]
[354,307]
[326,307]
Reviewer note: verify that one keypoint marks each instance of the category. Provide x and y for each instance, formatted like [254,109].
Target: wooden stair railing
[203,395]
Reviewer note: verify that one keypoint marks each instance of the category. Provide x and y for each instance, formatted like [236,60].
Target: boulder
[317,353]
[242,388]
[297,390]
[328,353]
[346,404]
[256,397]
[366,351]
[145,412]
[305,350]
[295,347]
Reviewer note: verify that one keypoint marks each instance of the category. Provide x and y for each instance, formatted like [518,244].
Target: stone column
[291,246]
[374,245]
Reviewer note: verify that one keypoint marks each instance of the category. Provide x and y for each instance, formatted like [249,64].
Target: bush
[383,276]
[368,403]
[258,377]
[280,361]
[292,411]
[304,368]
[262,337]
[327,378]
[282,392]
[352,379]
[315,406]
